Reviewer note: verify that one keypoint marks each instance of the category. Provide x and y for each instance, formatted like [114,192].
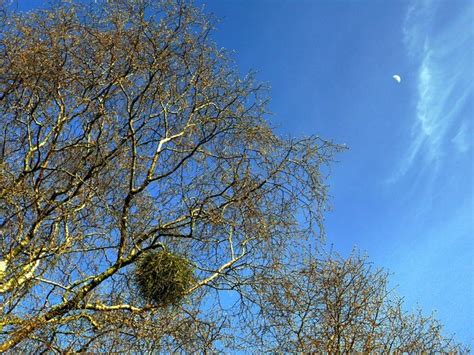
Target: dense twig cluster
[163,278]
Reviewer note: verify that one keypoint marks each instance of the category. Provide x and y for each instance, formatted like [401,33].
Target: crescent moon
[397,78]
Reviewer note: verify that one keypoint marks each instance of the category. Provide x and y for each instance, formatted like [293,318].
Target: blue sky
[403,193]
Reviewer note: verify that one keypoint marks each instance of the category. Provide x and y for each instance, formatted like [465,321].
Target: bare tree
[125,130]
[126,133]
[330,304]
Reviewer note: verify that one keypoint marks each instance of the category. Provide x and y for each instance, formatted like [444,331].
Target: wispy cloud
[463,139]
[441,49]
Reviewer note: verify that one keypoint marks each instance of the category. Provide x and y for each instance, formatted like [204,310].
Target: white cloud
[443,55]
[463,139]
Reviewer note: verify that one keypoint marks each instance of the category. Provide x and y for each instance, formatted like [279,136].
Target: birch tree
[125,130]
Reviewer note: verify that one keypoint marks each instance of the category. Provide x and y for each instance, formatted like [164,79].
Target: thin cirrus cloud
[442,52]
[463,139]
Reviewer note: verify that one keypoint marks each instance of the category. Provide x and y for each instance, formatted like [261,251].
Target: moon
[397,78]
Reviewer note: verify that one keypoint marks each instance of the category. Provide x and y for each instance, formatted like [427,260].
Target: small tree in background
[331,304]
